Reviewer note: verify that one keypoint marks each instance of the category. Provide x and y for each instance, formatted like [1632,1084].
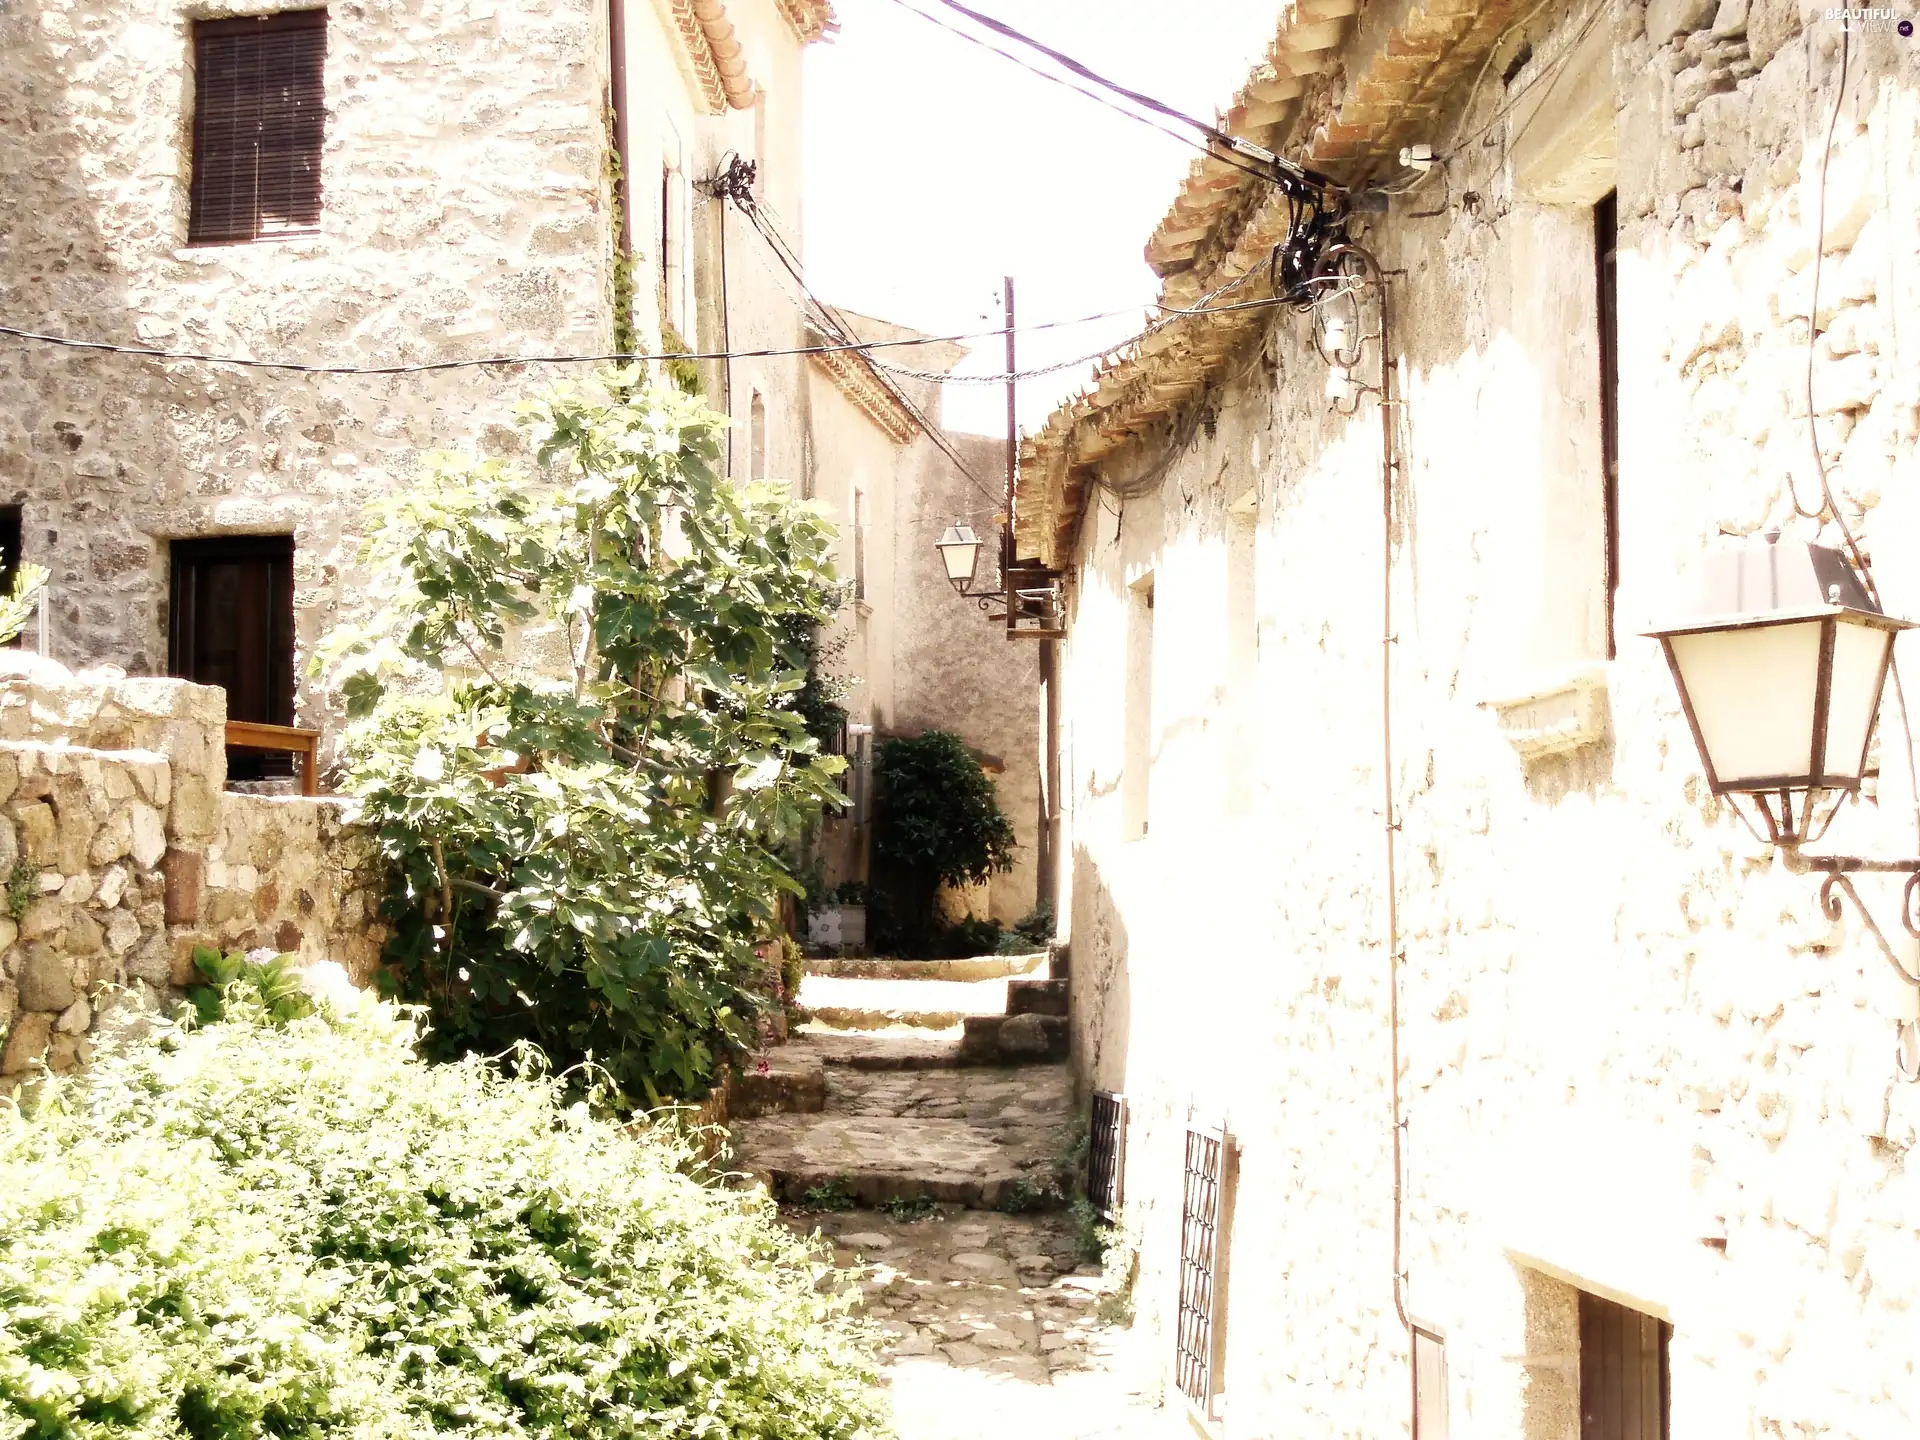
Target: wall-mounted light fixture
[960,552]
[1780,663]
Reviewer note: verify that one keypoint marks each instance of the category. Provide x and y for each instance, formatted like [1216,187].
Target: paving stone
[962,1353]
[865,1241]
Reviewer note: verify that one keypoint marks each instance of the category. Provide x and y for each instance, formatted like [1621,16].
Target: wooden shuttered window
[258,121]
[1623,1372]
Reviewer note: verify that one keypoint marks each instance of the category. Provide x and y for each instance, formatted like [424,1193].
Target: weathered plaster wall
[121,854]
[464,216]
[953,668]
[1635,1058]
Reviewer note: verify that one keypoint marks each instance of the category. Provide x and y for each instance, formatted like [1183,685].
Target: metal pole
[1013,459]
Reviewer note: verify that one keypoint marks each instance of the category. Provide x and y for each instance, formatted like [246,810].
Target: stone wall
[464,192]
[1635,1057]
[121,854]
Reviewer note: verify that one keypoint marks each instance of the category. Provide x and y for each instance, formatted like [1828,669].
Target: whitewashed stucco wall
[1626,1032]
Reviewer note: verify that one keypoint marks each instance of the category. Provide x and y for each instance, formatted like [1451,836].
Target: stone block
[153,959]
[9,1003]
[181,945]
[75,1019]
[113,839]
[45,980]
[1023,1036]
[113,886]
[26,1043]
[148,836]
[82,935]
[68,1053]
[39,834]
[1037,997]
[184,871]
[1668,18]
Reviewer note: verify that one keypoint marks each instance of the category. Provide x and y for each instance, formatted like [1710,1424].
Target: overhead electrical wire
[150,352]
[835,325]
[1232,144]
[1178,136]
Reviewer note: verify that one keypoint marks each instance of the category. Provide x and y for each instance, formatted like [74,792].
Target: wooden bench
[288,739]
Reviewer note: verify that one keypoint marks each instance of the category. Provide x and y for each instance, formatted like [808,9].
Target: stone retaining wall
[120,853]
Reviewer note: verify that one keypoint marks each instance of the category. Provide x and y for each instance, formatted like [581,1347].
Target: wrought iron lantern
[1780,665]
[960,552]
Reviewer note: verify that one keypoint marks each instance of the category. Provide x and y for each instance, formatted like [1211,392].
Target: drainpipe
[1388,466]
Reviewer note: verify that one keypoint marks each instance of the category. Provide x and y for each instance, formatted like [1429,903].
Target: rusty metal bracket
[1839,871]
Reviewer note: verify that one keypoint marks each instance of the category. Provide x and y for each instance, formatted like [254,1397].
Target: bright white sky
[934,168]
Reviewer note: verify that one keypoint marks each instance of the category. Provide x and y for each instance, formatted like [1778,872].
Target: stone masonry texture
[121,854]
[464,215]
[1636,1058]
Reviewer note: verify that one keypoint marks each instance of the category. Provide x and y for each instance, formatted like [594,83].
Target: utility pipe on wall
[1388,465]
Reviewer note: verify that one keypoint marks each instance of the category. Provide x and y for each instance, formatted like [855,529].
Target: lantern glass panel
[960,552]
[1859,666]
[1753,696]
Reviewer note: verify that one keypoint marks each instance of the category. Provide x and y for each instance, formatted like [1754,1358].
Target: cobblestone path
[995,1327]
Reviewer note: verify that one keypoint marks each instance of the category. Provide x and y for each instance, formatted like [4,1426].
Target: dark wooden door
[1623,1372]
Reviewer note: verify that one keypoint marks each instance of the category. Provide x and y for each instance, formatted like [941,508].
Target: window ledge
[1555,712]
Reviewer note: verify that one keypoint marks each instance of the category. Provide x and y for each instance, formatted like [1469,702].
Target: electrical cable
[1854,552]
[1177,136]
[149,352]
[835,325]
[1231,143]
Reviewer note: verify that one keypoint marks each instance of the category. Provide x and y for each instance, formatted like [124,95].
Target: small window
[1136,761]
[1606,224]
[259,118]
[1202,1202]
[859,544]
[231,625]
[1623,1372]
[1107,1154]
[1429,1385]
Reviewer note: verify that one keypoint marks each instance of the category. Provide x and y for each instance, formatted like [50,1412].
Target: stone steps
[978,967]
[984,1139]
[1037,997]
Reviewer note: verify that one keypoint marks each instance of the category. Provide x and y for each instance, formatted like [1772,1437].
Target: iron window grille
[1107,1153]
[1202,1196]
[259,120]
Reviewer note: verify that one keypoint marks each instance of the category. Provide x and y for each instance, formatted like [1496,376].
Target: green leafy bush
[939,824]
[971,937]
[1029,933]
[585,850]
[305,1231]
[263,980]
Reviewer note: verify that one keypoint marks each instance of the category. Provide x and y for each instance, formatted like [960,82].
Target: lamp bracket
[1840,870]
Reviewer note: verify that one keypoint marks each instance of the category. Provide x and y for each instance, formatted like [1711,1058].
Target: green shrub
[270,983]
[971,937]
[1029,933]
[244,1231]
[585,856]
[939,824]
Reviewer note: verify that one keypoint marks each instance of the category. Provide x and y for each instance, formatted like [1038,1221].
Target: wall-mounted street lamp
[1780,664]
[960,552]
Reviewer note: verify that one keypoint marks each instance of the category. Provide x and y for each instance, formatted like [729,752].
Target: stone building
[348,186]
[1540,1079]
[919,657]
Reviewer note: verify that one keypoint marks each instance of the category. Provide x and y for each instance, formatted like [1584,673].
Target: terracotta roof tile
[1223,225]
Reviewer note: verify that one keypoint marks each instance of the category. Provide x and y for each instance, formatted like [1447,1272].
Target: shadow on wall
[60,274]
[1102,983]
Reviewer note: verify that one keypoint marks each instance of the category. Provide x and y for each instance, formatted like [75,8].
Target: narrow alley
[894,1125]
